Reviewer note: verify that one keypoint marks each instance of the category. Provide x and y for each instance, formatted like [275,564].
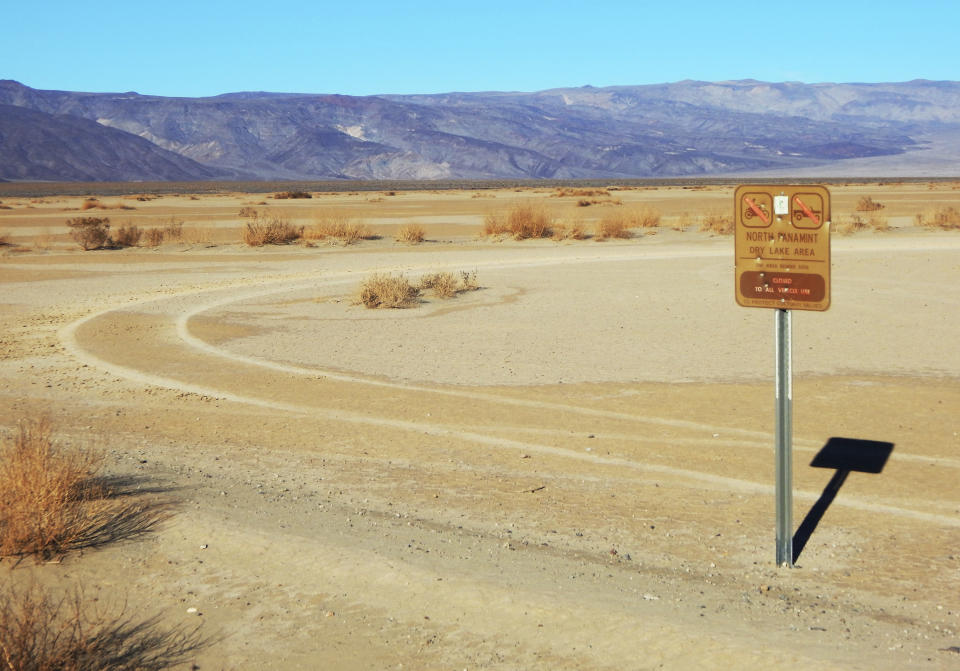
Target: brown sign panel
[782,246]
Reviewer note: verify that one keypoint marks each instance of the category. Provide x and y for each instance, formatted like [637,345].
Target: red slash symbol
[757,211]
[806,210]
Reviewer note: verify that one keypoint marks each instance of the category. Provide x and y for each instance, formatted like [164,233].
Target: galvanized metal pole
[784,439]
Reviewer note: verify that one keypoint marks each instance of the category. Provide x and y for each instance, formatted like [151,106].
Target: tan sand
[570,468]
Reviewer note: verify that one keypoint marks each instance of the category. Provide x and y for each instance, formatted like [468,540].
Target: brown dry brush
[868,204]
[412,234]
[721,224]
[40,632]
[381,290]
[945,217]
[54,500]
[448,285]
[338,227]
[521,222]
[90,232]
[270,230]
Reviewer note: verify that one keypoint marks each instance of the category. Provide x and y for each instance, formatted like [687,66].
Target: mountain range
[681,129]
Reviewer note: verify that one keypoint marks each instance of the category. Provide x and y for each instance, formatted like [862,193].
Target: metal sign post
[783,449]
[782,261]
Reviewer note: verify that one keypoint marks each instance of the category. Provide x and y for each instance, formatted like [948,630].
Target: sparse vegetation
[856,223]
[412,234]
[270,230]
[448,285]
[868,204]
[521,222]
[90,232]
[173,230]
[127,236]
[286,195]
[48,499]
[613,226]
[39,632]
[4,239]
[388,291]
[154,237]
[573,231]
[248,212]
[721,224]
[945,217]
[338,227]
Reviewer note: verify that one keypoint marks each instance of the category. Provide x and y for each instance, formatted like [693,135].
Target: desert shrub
[286,195]
[270,230]
[39,632]
[572,231]
[868,204]
[411,233]
[127,236]
[173,230]
[614,225]
[387,291]
[4,239]
[248,212]
[90,232]
[521,222]
[944,217]
[154,237]
[90,203]
[338,227]
[47,501]
[856,223]
[443,285]
[580,192]
[721,224]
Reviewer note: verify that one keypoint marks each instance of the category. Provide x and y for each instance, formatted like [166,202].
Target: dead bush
[90,232]
[856,223]
[127,236]
[945,217]
[248,212]
[47,502]
[270,230]
[173,230]
[412,234]
[91,203]
[40,632]
[572,231]
[154,237]
[522,221]
[338,227]
[868,204]
[387,291]
[53,498]
[721,224]
[614,225]
[443,285]
[286,195]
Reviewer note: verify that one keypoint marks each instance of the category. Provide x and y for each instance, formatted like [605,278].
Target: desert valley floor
[568,468]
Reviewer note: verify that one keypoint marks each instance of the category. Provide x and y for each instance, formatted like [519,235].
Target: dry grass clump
[580,193]
[127,236]
[387,291]
[287,195]
[572,231]
[270,230]
[248,212]
[521,222]
[154,237]
[448,285]
[868,204]
[90,232]
[39,632]
[338,227]
[614,225]
[857,224]
[48,499]
[721,224]
[945,217]
[412,234]
[94,203]
[173,230]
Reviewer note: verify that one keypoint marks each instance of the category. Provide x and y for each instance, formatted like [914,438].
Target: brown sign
[782,247]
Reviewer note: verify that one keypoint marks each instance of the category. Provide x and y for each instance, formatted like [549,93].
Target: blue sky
[199,48]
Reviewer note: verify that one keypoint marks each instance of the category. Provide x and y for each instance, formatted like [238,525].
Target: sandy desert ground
[570,468]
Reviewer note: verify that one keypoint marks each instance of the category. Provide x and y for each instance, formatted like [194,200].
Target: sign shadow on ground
[845,455]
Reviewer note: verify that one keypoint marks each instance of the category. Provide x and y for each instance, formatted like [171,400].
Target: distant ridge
[681,129]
